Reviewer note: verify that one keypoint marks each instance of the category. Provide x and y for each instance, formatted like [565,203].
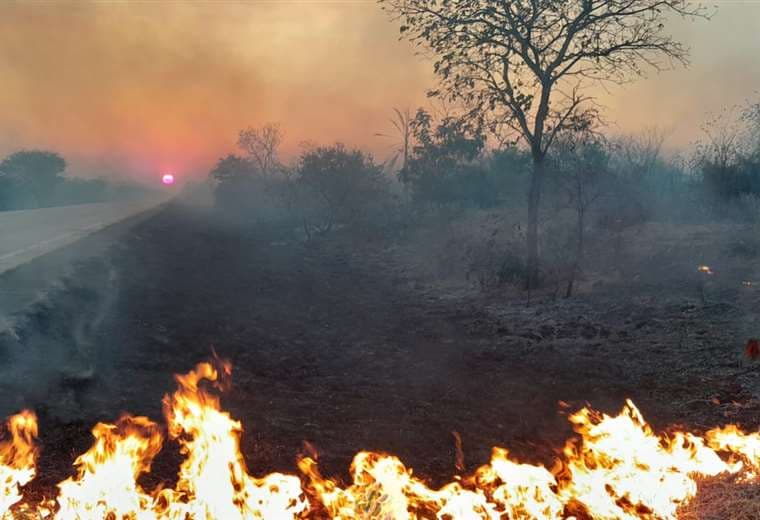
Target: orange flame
[616,468]
[622,469]
[17,458]
[106,482]
[213,480]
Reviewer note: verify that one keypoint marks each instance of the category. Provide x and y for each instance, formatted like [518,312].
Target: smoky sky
[138,88]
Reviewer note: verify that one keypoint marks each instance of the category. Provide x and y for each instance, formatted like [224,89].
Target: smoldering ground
[52,352]
[350,344]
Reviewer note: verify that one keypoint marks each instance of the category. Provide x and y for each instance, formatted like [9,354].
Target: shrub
[335,186]
[443,168]
[243,192]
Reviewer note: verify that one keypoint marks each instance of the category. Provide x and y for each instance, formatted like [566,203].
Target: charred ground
[341,343]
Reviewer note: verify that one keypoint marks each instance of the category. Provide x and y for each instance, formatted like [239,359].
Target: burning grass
[615,468]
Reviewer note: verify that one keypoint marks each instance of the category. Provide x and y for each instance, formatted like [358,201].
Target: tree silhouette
[525,65]
[262,145]
[36,172]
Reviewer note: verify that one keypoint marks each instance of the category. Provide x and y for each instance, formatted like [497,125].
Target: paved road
[27,234]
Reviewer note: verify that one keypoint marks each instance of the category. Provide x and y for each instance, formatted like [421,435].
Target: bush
[244,193]
[444,167]
[509,171]
[491,251]
[34,179]
[338,187]
[725,182]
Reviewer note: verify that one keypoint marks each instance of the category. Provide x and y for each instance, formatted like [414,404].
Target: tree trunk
[534,199]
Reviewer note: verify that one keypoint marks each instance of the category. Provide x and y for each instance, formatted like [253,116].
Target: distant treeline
[595,187]
[35,179]
[446,164]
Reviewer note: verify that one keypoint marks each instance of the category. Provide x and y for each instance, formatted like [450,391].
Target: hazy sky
[144,87]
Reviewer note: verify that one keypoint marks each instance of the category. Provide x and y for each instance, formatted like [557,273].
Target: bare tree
[751,117]
[581,163]
[401,122]
[525,65]
[261,145]
[639,154]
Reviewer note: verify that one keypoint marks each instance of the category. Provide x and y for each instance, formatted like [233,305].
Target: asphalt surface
[39,248]
[27,234]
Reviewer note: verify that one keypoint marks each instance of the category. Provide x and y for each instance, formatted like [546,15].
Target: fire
[733,440]
[704,269]
[106,482]
[17,458]
[213,480]
[621,469]
[616,467]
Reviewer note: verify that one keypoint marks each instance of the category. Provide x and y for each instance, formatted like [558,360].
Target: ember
[616,467]
[752,349]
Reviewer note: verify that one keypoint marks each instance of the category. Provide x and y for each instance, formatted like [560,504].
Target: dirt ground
[340,343]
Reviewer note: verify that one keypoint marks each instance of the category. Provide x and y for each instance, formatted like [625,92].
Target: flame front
[213,481]
[616,467]
[622,470]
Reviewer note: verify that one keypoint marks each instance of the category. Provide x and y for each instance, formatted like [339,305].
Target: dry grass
[724,498]
[472,250]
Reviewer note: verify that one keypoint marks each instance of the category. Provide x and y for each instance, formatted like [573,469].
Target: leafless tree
[401,122]
[525,65]
[639,154]
[581,163]
[751,117]
[262,144]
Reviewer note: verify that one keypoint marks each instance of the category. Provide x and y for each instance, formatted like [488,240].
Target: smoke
[167,86]
[52,352]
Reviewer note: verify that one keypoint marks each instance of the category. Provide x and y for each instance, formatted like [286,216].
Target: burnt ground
[336,343]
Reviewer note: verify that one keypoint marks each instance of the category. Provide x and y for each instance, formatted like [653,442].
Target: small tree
[235,183]
[751,118]
[262,146]
[338,186]
[581,165]
[638,164]
[249,185]
[35,172]
[402,123]
[729,155]
[525,65]
[231,168]
[441,168]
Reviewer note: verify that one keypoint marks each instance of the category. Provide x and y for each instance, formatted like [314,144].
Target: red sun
[168,179]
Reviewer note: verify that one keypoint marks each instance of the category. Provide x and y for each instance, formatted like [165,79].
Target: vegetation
[598,186]
[523,67]
[729,158]
[518,127]
[36,179]
[339,187]
[443,167]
